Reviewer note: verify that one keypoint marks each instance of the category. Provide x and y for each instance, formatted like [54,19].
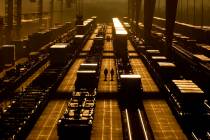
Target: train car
[59,53]
[19,118]
[86,79]
[8,54]
[187,101]
[130,90]
[87,26]
[134,120]
[120,37]
[77,121]
[15,76]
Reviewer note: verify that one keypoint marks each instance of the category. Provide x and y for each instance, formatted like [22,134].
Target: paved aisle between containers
[163,123]
[46,126]
[107,119]
[67,85]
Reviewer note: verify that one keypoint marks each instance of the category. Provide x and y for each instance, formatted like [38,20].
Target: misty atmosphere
[105,10]
[104,69]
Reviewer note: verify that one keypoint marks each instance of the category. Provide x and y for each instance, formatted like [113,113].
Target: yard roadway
[107,118]
[107,121]
[46,126]
[163,123]
[67,85]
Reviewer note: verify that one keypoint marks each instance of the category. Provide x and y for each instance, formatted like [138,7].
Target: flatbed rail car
[14,77]
[83,33]
[77,121]
[186,99]
[39,93]
[188,52]
[134,119]
[37,40]
[37,44]
[34,99]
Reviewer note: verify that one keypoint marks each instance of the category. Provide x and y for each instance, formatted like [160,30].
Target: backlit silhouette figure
[105,73]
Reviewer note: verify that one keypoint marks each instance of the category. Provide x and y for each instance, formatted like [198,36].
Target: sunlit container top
[60,45]
[132,76]
[119,29]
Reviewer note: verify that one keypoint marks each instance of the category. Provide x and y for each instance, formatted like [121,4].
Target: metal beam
[61,11]
[40,11]
[51,12]
[171,8]
[129,9]
[18,12]
[149,7]
[79,12]
[133,8]
[9,13]
[1,30]
[138,9]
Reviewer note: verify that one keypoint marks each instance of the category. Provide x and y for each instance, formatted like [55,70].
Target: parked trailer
[77,121]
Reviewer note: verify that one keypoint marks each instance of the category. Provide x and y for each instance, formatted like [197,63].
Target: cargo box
[8,54]
[167,70]
[188,94]
[59,54]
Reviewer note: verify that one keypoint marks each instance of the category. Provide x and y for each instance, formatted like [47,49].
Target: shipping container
[8,54]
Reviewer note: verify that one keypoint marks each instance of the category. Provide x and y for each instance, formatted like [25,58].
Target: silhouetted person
[112,74]
[105,73]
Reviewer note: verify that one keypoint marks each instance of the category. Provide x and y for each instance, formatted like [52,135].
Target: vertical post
[194,13]
[9,13]
[51,12]
[61,11]
[149,7]
[132,10]
[138,8]
[1,30]
[40,11]
[79,12]
[187,11]
[171,8]
[18,12]
[202,14]
[128,9]
[9,19]
[159,11]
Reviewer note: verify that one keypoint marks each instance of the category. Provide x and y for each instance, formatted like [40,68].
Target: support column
[40,11]
[171,7]
[51,12]
[9,13]
[18,12]
[9,5]
[138,9]
[133,8]
[1,30]
[61,11]
[129,9]
[149,7]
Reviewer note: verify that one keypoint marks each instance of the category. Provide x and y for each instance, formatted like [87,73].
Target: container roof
[132,76]
[60,45]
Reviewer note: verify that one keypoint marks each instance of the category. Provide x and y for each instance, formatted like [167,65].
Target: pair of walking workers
[106,73]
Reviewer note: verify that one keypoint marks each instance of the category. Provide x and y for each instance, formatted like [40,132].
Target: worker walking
[105,74]
[112,74]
